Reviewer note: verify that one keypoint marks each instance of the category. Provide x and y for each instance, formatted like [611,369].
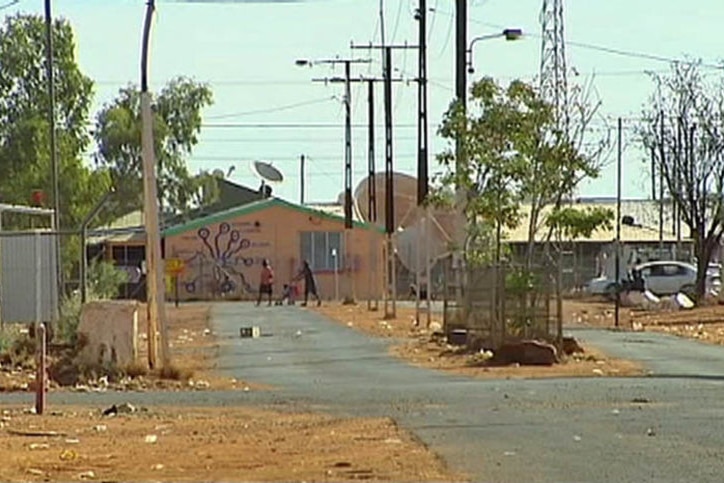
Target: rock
[684,301]
[100,428]
[151,439]
[87,475]
[39,446]
[571,346]
[157,467]
[530,353]
[34,471]
[127,408]
[202,385]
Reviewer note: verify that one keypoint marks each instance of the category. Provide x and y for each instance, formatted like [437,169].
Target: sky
[267,108]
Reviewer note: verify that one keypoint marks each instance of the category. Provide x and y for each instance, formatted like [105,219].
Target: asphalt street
[664,427]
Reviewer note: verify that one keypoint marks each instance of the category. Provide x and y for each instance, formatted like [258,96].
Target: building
[123,241]
[648,232]
[222,252]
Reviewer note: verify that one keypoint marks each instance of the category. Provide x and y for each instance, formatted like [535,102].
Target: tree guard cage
[506,303]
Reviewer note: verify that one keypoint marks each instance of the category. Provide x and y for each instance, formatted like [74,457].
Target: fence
[28,276]
[505,302]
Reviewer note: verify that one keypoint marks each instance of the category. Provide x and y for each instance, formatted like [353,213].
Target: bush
[104,281]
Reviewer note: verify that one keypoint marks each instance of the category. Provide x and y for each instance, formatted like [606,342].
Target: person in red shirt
[266,282]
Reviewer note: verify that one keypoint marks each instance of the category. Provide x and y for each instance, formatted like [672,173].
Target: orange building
[222,252]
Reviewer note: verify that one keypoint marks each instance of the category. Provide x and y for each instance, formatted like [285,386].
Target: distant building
[642,237]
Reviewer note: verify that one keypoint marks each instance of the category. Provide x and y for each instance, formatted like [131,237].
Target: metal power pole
[619,164]
[301,179]
[422,170]
[156,312]
[53,142]
[461,39]
[372,300]
[391,280]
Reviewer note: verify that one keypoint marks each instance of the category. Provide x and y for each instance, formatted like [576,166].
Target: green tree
[25,161]
[515,152]
[177,122]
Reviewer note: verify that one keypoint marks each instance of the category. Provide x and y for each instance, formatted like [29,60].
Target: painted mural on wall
[222,259]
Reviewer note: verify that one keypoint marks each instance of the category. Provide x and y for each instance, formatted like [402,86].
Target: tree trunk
[704,249]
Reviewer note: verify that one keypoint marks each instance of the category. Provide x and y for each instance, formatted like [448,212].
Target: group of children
[289,291]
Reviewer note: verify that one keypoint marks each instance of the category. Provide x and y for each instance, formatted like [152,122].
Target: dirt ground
[419,348]
[704,323]
[193,347]
[225,444]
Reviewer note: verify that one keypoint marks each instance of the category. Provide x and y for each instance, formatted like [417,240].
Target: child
[288,293]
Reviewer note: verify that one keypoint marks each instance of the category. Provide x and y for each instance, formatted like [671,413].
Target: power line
[600,48]
[272,109]
[291,126]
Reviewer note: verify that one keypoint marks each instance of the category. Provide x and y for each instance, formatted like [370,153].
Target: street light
[508,34]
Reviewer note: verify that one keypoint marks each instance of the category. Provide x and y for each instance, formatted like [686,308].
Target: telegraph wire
[272,109]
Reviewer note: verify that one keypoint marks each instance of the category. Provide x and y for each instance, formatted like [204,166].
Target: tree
[25,161]
[177,123]
[683,124]
[514,152]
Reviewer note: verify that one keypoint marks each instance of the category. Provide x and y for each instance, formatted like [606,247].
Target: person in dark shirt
[310,284]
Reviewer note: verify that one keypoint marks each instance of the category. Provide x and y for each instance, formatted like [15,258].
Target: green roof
[255,207]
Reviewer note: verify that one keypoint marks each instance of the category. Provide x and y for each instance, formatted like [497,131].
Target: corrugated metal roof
[645,214]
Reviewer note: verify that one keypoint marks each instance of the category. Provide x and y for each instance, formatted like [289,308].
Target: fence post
[41,377]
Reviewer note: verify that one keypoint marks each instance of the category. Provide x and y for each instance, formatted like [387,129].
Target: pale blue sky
[246,52]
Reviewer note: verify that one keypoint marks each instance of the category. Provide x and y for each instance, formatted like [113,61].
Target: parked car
[660,277]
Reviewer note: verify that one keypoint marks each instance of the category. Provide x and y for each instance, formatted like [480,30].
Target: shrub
[104,281]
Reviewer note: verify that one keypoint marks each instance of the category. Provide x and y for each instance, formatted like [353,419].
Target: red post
[41,378]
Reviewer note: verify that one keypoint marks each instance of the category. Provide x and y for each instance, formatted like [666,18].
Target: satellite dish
[267,172]
[413,239]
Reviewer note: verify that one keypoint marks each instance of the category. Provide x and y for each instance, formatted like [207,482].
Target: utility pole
[372,301]
[662,151]
[390,225]
[156,312]
[422,170]
[49,61]
[348,221]
[461,40]
[391,279]
[301,179]
[619,164]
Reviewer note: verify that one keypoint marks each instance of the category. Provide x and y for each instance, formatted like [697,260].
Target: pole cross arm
[339,80]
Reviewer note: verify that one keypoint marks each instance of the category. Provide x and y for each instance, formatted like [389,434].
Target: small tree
[514,151]
[177,122]
[683,126]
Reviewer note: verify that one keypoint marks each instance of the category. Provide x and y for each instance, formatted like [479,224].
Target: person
[266,281]
[310,284]
[288,292]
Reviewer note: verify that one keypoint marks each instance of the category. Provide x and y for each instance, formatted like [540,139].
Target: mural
[220,259]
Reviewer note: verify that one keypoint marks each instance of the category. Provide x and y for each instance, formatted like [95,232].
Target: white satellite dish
[266,172]
[410,240]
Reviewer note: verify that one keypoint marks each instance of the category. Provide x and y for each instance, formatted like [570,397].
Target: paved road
[665,427]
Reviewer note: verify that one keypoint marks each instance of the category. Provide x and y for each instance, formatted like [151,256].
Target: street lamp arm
[481,38]
[150,7]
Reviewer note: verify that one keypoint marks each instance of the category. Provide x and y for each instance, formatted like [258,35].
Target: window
[320,248]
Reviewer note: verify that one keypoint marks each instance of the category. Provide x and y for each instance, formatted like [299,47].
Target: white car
[660,277]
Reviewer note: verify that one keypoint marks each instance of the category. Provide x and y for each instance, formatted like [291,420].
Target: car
[660,277]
